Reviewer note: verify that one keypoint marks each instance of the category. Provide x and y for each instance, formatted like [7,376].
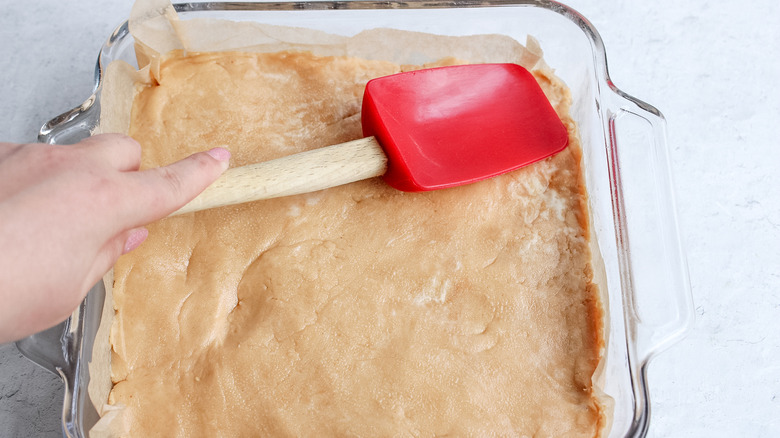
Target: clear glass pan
[625,160]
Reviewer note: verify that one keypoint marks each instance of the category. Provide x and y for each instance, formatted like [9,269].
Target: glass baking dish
[625,159]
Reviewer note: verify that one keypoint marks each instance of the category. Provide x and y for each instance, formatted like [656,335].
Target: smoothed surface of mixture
[358,310]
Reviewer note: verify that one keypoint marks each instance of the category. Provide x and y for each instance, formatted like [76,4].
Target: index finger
[163,190]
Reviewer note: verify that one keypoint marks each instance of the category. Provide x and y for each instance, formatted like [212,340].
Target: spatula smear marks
[424,130]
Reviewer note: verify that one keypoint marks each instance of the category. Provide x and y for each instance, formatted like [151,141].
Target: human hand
[68,212]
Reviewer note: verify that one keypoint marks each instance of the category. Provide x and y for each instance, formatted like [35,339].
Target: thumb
[164,190]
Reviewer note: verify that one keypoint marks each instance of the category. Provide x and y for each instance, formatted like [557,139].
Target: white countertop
[711,68]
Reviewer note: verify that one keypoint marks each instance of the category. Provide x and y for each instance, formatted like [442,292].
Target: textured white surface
[711,67]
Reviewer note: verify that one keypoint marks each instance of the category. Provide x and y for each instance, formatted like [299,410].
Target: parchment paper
[157,30]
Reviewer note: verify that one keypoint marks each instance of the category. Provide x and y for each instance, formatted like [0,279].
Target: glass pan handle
[47,348]
[652,263]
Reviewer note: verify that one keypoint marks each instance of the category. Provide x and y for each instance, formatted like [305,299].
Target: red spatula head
[449,126]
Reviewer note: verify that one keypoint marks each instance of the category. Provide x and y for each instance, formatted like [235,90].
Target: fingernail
[136,238]
[219,154]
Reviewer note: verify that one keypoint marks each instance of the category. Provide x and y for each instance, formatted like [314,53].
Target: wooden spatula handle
[300,173]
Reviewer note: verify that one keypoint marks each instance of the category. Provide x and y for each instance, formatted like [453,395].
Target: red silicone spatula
[425,130]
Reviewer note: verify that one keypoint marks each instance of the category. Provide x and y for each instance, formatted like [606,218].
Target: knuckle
[173,182]
[203,161]
[105,190]
[117,141]
[113,137]
[130,143]
[54,158]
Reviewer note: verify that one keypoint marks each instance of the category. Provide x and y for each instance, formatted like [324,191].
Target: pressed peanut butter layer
[358,310]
